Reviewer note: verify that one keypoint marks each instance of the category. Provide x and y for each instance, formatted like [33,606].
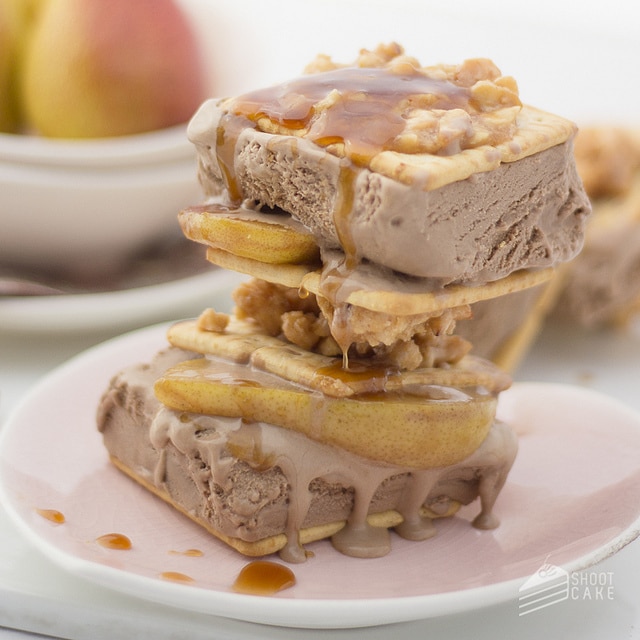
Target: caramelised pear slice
[432,427]
[270,238]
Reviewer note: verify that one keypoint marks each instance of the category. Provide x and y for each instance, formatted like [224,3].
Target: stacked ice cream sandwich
[372,204]
[602,286]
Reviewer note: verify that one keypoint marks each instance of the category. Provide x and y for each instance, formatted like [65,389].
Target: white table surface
[40,598]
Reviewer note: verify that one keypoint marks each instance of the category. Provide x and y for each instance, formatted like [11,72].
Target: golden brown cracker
[391,300]
[288,275]
[537,131]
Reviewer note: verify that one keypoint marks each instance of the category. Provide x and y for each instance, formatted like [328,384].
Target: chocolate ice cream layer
[262,488]
[525,214]
[603,283]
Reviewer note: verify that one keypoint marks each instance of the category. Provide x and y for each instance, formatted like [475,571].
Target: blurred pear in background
[96,68]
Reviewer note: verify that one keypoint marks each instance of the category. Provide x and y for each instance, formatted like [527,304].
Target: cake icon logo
[547,586]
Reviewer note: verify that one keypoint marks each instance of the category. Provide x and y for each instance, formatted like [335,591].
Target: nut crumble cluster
[406,343]
[485,115]
[607,159]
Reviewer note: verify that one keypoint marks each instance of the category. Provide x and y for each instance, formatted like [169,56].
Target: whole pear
[101,68]
[16,23]
[10,34]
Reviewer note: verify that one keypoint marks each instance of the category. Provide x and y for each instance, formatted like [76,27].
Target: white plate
[572,499]
[115,311]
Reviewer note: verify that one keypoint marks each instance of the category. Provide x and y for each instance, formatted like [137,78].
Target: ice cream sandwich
[433,172]
[372,204]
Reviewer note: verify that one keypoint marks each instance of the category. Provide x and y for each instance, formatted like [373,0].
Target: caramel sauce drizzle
[364,114]
[226,138]
[342,212]
[264,578]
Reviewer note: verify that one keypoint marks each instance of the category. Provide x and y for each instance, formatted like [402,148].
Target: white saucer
[573,498]
[115,311]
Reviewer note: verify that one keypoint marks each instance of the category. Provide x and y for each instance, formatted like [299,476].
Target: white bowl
[67,205]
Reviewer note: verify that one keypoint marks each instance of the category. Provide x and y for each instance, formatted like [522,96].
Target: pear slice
[269,238]
[439,427]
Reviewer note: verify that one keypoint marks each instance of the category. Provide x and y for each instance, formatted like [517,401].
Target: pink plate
[572,499]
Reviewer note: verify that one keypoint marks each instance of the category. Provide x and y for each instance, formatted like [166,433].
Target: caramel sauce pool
[365,117]
[52,515]
[116,541]
[263,578]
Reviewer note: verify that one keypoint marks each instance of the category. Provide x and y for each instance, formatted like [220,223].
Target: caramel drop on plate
[52,515]
[263,578]
[114,541]
[176,576]
[192,553]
